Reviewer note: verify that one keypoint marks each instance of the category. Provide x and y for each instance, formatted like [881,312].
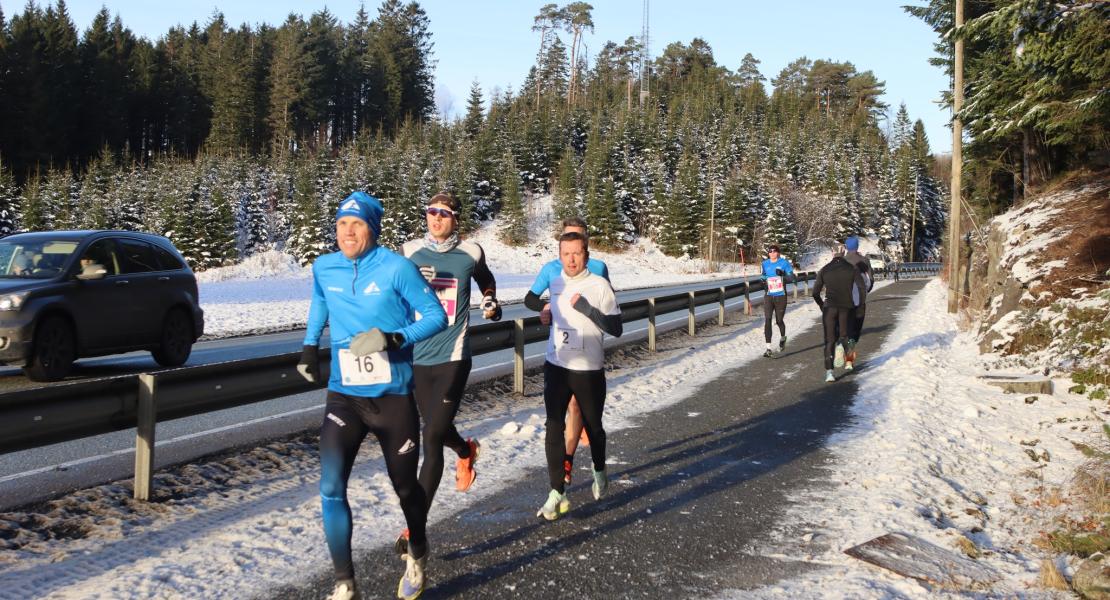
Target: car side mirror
[92,272]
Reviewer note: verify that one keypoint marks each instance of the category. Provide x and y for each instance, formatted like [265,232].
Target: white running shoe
[345,590]
[556,506]
[601,484]
[412,582]
[838,358]
[829,377]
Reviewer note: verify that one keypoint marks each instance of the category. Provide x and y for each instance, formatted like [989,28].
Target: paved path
[689,493]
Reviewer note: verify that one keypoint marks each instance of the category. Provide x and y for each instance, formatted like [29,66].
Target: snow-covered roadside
[271,292]
[936,453]
[251,521]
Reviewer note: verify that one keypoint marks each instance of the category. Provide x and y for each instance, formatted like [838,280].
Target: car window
[138,257]
[34,259]
[103,253]
[167,260]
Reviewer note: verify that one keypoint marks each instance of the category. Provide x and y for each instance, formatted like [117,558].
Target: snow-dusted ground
[934,452]
[271,292]
[939,454]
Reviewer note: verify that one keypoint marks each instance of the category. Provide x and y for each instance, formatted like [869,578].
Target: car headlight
[12,301]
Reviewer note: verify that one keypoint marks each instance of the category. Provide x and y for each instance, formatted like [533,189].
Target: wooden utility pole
[957,164]
[913,217]
[712,214]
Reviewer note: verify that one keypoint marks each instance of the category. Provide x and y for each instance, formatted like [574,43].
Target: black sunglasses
[440,212]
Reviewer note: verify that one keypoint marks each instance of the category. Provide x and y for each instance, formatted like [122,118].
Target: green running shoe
[556,506]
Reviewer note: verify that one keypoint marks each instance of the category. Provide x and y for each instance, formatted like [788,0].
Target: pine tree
[475,111]
[778,229]
[566,202]
[513,227]
[306,240]
[9,203]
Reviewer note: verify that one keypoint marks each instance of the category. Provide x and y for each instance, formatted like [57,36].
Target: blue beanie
[365,207]
[852,243]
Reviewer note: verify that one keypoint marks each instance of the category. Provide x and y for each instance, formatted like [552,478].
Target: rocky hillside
[1040,277]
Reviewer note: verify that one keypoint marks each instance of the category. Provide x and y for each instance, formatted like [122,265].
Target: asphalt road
[689,495]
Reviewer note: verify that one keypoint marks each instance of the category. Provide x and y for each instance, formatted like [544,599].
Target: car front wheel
[53,352]
[177,340]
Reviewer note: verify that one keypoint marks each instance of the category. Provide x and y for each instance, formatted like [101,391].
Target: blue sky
[493,42]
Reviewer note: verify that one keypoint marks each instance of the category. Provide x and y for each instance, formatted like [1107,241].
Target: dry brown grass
[1092,484]
[1050,576]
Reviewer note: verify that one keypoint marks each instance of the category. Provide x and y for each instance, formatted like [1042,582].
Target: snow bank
[939,454]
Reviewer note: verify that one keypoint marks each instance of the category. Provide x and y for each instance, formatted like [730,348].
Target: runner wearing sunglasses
[442,363]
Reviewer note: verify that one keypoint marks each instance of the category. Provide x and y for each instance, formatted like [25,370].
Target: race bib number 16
[774,284]
[371,369]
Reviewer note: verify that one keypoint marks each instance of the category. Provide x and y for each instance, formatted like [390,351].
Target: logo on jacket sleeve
[407,447]
[372,289]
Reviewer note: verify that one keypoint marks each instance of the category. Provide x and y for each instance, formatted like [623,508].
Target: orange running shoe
[464,467]
[567,469]
[401,546]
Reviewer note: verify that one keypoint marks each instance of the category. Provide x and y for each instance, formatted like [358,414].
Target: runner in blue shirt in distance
[775,270]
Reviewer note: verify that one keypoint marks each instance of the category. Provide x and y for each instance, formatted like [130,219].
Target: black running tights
[589,388]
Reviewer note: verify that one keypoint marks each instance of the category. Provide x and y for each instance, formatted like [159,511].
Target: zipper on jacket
[355,280]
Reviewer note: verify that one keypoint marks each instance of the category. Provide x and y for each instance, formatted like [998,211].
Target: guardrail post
[795,288]
[651,324]
[691,320]
[518,357]
[144,436]
[721,307]
[747,300]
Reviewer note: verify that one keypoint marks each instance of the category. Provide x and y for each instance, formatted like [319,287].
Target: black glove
[820,302]
[780,272]
[309,365]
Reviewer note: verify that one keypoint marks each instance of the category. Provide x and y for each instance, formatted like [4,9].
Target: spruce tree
[777,229]
[9,203]
[512,226]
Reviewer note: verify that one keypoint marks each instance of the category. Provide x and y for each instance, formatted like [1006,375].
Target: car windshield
[40,259]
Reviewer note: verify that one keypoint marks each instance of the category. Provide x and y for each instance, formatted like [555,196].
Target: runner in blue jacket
[367,296]
[775,271]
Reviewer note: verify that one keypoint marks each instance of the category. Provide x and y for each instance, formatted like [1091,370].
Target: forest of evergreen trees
[231,141]
[1037,102]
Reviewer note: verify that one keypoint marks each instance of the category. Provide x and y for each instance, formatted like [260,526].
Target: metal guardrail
[35,418]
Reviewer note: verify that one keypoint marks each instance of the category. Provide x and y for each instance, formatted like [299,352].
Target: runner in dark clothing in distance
[843,285]
[855,320]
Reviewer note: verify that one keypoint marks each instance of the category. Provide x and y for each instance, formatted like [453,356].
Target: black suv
[66,295]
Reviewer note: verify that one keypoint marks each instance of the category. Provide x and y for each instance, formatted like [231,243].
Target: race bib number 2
[568,339]
[371,369]
[774,284]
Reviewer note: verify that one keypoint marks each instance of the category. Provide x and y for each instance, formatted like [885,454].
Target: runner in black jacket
[843,286]
[855,321]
